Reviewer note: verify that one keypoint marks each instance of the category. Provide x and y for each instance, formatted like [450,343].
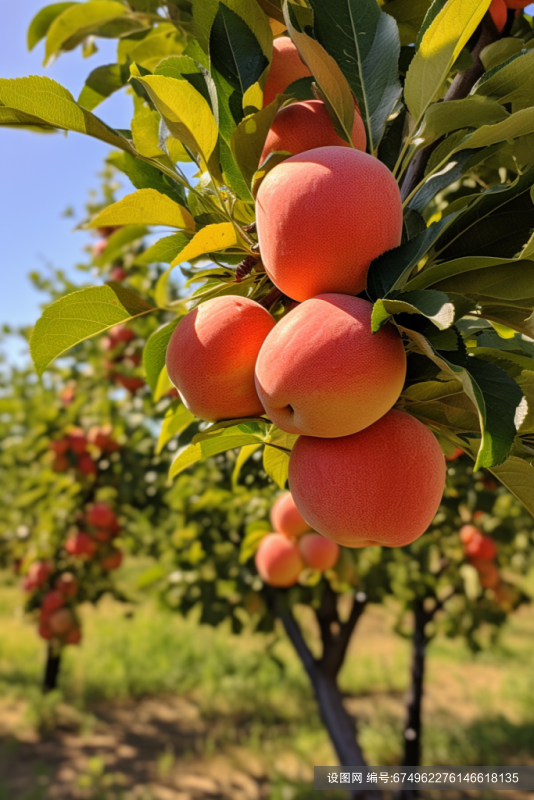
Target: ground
[153,707]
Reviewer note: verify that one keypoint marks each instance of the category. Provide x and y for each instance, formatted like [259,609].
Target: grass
[478,710]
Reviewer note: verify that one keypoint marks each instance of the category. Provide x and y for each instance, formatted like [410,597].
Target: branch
[335,648]
[459,88]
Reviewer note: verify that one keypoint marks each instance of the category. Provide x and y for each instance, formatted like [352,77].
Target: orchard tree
[362,192]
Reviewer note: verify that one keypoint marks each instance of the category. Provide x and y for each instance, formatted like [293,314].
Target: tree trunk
[414,723]
[53,664]
[341,726]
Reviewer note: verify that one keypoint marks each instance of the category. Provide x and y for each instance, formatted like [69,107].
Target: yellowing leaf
[145,207]
[210,239]
[187,114]
[79,21]
[446,36]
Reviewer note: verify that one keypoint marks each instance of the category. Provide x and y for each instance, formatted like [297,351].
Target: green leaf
[276,465]
[155,351]
[331,82]
[49,102]
[510,82]
[471,112]
[146,176]
[229,440]
[177,419]
[249,137]
[41,22]
[440,46]
[436,273]
[494,395]
[163,251]
[409,15]
[436,306]
[145,207]
[243,456]
[365,44]
[497,223]
[117,241]
[519,124]
[235,50]
[510,282]
[80,315]
[186,113]
[250,543]
[390,271]
[75,23]
[101,83]
[518,477]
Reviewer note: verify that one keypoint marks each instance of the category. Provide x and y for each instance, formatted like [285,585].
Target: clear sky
[40,175]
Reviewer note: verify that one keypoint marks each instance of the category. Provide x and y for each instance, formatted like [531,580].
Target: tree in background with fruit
[362,197]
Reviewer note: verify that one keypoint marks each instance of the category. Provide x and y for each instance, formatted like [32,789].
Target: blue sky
[40,175]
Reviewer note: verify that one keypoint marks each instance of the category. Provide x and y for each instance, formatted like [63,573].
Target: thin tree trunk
[53,664]
[341,726]
[414,723]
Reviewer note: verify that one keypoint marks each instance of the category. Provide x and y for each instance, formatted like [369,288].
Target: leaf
[75,23]
[330,80]
[117,241]
[186,113]
[497,223]
[80,315]
[440,46]
[250,543]
[177,419]
[436,273]
[164,250]
[436,306]
[409,15]
[41,22]
[146,176]
[471,112]
[53,105]
[276,465]
[210,239]
[510,82]
[155,352]
[510,282]
[249,137]
[101,83]
[519,124]
[365,44]
[145,207]
[243,456]
[229,440]
[234,47]
[518,477]
[391,270]
[12,118]
[494,395]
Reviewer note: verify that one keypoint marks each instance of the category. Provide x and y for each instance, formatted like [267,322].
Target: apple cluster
[361,473]
[123,357]
[54,585]
[81,451]
[293,547]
